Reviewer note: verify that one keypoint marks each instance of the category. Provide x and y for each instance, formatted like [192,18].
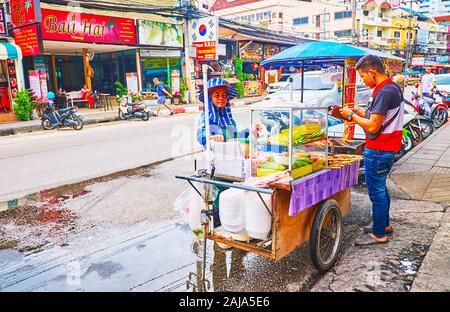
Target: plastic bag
[190,204]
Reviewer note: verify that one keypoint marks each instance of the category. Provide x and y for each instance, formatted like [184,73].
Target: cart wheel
[326,236]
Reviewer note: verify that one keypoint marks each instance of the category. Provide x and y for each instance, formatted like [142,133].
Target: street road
[37,161]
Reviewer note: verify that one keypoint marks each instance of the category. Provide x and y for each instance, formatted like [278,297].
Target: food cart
[291,189]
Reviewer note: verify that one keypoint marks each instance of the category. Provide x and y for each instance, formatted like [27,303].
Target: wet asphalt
[122,233]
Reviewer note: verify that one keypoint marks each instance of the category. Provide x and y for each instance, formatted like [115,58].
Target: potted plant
[22,105]
[238,68]
[183,91]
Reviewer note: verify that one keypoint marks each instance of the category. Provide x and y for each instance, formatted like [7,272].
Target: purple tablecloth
[315,188]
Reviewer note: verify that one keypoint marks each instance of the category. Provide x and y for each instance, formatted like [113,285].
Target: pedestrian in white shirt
[427,82]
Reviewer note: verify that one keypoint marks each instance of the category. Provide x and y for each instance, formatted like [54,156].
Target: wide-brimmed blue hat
[218,82]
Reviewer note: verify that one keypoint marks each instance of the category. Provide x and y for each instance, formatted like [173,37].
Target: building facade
[434,8]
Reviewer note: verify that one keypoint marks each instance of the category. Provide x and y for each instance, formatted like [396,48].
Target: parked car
[280,85]
[315,92]
[443,82]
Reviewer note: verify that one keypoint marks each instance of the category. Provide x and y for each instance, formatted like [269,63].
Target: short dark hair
[370,61]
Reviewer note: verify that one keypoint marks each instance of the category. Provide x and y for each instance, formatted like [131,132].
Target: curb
[177,110]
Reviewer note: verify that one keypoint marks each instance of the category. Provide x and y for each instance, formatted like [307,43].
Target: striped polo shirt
[387,100]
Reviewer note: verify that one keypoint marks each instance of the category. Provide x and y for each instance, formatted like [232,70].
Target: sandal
[371,239]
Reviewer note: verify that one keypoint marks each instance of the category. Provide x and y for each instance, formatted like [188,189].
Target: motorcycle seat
[139,106]
[428,100]
[64,110]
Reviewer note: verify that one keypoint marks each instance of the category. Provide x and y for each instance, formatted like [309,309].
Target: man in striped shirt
[383,125]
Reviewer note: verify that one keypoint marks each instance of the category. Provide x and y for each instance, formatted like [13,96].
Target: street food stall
[284,186]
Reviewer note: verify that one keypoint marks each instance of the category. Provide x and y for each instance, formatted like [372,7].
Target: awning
[10,51]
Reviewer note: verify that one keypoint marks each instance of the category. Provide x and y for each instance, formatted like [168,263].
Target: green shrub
[22,105]
[240,89]
[121,90]
[238,68]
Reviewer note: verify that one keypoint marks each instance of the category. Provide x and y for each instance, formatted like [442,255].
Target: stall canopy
[10,51]
[317,51]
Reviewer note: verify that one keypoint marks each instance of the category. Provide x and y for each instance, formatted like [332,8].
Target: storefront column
[19,74]
[139,70]
[189,61]
[87,69]
[55,79]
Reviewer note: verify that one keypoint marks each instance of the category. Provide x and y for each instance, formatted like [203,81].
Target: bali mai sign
[73,26]
[24,12]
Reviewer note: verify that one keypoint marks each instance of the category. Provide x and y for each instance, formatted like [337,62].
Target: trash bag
[190,204]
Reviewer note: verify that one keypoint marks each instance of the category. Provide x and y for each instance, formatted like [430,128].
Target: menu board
[349,96]
[132,83]
[27,38]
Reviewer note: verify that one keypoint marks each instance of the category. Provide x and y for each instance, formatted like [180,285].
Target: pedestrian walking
[427,82]
[382,123]
[162,93]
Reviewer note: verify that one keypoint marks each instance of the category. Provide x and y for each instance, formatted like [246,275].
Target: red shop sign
[27,38]
[24,12]
[206,51]
[72,26]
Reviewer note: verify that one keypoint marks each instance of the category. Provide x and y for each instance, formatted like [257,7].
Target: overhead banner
[204,36]
[27,38]
[24,12]
[160,34]
[81,27]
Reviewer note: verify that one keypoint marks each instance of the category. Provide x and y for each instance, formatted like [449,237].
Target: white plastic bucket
[258,221]
[232,210]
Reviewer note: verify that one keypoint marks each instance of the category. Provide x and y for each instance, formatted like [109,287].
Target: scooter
[421,122]
[65,117]
[429,107]
[127,111]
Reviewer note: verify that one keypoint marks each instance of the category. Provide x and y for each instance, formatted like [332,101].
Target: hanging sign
[24,12]
[205,37]
[27,38]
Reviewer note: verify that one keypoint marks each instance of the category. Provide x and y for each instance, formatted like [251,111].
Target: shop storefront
[160,54]
[255,78]
[11,79]
[73,49]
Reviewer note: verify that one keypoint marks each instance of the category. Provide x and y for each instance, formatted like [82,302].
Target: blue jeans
[377,165]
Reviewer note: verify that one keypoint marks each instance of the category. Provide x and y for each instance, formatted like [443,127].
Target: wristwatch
[350,116]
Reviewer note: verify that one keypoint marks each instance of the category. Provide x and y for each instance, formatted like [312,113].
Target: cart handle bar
[225,184]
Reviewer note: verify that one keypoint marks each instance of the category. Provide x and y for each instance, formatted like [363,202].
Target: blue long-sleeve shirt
[229,132]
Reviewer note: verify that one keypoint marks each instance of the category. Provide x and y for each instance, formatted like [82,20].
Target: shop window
[343,14]
[158,67]
[396,34]
[300,20]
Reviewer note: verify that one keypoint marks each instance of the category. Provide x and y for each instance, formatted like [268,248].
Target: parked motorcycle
[429,107]
[421,122]
[140,111]
[53,118]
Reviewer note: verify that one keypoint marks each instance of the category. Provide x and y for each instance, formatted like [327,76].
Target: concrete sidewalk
[94,117]
[424,174]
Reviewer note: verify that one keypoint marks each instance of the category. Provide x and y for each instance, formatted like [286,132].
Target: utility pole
[409,54]
[354,30]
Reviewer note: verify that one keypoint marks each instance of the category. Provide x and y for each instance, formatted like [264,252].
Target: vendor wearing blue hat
[222,125]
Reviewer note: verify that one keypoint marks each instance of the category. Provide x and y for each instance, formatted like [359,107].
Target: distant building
[434,7]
